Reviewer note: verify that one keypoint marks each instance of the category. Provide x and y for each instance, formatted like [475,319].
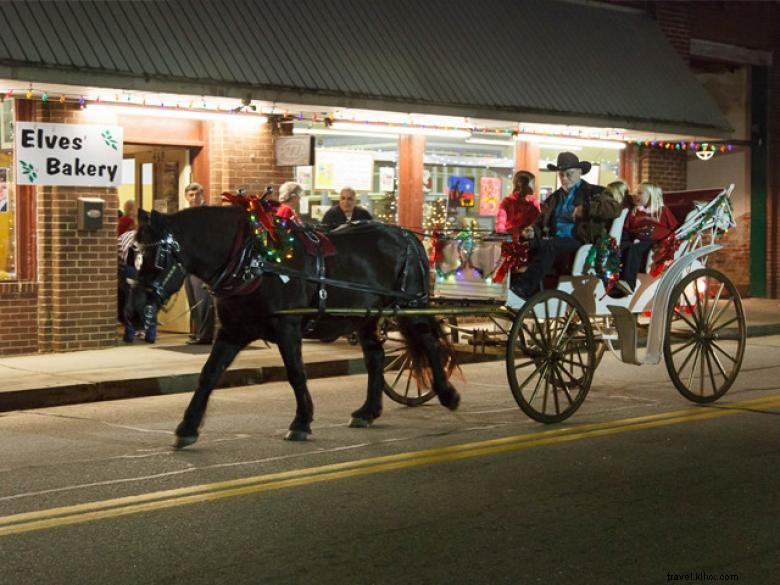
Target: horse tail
[418,333]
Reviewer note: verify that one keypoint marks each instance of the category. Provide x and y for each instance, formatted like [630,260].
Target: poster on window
[73,155]
[305,176]
[387,179]
[336,169]
[460,192]
[489,195]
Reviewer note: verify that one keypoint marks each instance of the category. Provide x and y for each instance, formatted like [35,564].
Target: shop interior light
[329,132]
[489,142]
[172,112]
[564,141]
[419,130]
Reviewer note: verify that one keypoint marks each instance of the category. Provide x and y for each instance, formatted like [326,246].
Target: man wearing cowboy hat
[575,214]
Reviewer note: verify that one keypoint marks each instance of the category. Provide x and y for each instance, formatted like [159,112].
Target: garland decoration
[272,236]
[604,258]
[717,215]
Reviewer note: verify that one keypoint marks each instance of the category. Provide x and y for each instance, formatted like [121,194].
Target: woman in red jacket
[648,222]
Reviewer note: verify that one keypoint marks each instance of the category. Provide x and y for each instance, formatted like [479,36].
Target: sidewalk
[140,369]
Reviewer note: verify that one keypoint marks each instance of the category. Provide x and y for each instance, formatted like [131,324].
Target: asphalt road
[638,487]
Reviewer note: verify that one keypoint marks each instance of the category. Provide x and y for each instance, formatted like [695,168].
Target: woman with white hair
[289,198]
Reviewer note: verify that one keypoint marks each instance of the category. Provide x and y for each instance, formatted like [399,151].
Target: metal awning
[552,61]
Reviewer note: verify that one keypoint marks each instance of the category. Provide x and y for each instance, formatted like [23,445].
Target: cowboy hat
[569,160]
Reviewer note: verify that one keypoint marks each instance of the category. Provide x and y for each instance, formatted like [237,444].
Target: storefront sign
[82,155]
[294,151]
[337,169]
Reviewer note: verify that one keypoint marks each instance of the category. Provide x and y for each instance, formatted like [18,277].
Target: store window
[464,181]
[364,163]
[7,199]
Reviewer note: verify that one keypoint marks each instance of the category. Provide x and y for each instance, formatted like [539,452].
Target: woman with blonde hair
[648,222]
[618,190]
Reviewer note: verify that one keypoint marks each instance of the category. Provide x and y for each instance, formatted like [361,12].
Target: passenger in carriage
[520,208]
[648,222]
[619,192]
[289,200]
[571,216]
[346,210]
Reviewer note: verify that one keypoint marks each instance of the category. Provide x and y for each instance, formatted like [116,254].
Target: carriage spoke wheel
[551,356]
[400,385]
[705,335]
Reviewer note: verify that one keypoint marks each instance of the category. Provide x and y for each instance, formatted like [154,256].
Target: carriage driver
[576,213]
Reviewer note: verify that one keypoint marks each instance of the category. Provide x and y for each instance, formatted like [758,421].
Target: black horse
[258,268]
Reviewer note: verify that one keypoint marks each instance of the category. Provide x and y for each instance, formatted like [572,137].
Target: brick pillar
[628,165]
[410,182]
[78,269]
[527,157]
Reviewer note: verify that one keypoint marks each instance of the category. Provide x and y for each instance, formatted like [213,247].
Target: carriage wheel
[551,356]
[400,385]
[705,335]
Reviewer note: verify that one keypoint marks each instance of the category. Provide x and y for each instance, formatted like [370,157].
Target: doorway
[155,177]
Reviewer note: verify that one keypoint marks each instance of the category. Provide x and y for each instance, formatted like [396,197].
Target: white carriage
[692,316]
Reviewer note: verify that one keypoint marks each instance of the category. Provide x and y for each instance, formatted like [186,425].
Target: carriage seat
[615,231]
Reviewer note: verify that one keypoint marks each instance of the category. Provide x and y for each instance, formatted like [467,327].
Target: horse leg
[374,357]
[289,343]
[221,356]
[429,337]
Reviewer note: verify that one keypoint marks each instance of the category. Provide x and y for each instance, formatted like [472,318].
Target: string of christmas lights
[328,118]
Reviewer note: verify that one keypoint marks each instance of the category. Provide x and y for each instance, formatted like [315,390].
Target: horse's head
[158,269]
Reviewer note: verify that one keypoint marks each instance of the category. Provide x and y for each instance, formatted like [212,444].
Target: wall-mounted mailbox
[90,214]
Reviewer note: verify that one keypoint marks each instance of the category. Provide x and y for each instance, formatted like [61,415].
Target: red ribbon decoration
[664,254]
[263,209]
[514,255]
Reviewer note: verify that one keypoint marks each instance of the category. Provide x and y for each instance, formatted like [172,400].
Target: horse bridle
[167,258]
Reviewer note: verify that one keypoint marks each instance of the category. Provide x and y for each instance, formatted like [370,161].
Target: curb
[160,385]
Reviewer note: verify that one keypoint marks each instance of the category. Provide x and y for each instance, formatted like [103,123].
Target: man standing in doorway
[200,301]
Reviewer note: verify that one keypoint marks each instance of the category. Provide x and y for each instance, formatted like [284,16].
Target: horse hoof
[451,400]
[359,423]
[296,436]
[182,442]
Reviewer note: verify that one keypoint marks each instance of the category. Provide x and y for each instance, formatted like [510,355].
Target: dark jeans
[202,315]
[546,253]
[632,253]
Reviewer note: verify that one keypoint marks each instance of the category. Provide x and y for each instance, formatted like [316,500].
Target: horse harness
[244,270]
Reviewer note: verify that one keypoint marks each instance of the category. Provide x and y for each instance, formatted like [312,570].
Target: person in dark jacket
[200,301]
[346,210]
[575,214]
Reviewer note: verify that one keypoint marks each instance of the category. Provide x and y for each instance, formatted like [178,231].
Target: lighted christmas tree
[435,215]
[389,213]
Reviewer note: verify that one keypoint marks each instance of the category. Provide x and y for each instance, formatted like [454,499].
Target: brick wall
[242,158]
[667,168]
[73,304]
[674,19]
[18,317]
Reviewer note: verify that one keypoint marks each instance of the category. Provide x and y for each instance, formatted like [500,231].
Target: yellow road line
[80,513]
